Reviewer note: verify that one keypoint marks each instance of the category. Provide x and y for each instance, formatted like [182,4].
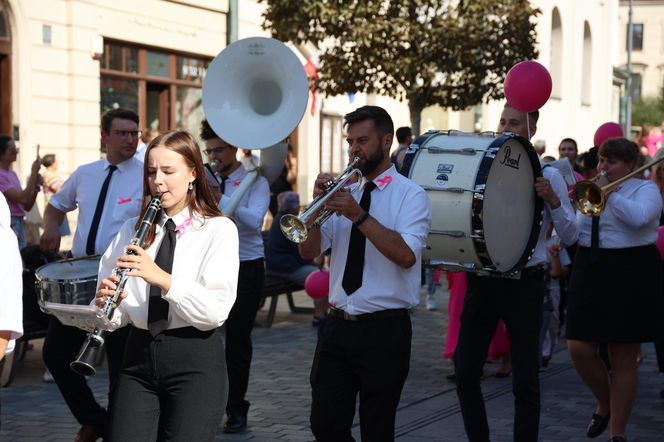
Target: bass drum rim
[477,203]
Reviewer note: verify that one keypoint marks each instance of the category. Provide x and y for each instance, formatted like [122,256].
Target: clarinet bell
[84,364]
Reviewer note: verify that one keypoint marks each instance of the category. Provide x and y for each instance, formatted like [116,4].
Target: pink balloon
[660,241]
[317,284]
[527,86]
[607,131]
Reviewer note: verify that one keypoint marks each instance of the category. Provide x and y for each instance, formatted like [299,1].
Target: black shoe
[235,423]
[597,425]
[451,377]
[618,439]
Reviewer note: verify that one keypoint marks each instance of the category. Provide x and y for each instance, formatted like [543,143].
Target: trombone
[296,228]
[591,198]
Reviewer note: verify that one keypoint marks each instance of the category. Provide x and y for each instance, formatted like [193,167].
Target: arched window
[586,66]
[5,71]
[4,27]
[556,54]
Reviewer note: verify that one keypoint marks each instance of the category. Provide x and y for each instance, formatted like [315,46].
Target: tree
[452,53]
[649,110]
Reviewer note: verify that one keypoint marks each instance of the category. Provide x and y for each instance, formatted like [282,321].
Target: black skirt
[619,298]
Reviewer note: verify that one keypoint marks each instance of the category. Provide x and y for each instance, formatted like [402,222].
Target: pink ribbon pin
[236,183]
[180,229]
[382,182]
[124,200]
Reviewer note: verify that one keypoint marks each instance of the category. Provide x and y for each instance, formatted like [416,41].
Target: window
[4,29]
[163,87]
[637,37]
[636,86]
[333,147]
[586,77]
[556,54]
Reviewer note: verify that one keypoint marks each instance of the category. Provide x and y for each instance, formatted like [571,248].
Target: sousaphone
[254,95]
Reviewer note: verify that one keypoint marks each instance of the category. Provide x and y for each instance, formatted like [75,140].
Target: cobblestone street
[280,394]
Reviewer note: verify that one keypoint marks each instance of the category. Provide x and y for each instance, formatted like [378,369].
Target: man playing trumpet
[364,343]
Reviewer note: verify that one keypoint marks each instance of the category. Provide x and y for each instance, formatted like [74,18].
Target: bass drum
[486,215]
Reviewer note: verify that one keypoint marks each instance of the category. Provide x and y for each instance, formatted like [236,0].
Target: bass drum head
[511,211]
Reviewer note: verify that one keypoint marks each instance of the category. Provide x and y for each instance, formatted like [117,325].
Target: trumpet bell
[590,198]
[255,92]
[293,228]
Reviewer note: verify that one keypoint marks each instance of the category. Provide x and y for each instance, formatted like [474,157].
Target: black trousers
[519,304]
[61,346]
[171,387]
[238,329]
[370,357]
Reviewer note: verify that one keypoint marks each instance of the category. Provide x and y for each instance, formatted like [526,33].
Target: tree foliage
[452,53]
[649,110]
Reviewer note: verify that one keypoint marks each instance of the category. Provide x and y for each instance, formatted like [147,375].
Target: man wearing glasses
[249,218]
[106,192]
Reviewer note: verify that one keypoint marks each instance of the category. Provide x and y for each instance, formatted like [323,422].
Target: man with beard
[249,219]
[518,302]
[364,343]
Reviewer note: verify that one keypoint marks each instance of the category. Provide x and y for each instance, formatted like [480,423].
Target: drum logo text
[445,168]
[509,161]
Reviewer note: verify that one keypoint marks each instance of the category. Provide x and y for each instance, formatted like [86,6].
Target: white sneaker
[431,303]
[48,377]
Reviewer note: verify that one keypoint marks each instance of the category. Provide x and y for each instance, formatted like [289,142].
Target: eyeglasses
[216,150]
[124,133]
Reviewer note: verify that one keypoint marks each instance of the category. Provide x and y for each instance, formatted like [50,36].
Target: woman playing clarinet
[181,287]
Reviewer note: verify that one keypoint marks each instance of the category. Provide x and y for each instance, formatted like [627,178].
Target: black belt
[382,314]
[533,272]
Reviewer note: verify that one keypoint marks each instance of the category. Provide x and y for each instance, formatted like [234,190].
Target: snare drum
[69,281]
[486,215]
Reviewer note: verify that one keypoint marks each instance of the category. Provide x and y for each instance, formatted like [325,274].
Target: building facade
[62,62]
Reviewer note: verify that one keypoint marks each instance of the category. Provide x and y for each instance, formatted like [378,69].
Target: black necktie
[158,307]
[222,185]
[594,239]
[92,236]
[355,259]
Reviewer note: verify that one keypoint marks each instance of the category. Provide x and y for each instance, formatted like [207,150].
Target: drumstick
[37,150]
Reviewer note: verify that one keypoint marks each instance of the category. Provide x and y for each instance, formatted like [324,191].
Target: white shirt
[11,271]
[140,152]
[630,219]
[204,276]
[123,200]
[400,205]
[249,213]
[563,218]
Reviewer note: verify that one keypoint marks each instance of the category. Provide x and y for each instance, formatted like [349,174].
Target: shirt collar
[183,220]
[121,166]
[385,178]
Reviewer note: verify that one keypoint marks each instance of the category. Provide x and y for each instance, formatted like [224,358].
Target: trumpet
[591,198]
[84,362]
[296,228]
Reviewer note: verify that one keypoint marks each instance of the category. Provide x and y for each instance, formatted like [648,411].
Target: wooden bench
[274,287]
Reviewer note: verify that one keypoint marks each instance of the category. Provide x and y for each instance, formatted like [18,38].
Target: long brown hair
[201,198]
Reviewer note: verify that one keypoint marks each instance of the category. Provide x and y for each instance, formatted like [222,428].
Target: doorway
[157,108]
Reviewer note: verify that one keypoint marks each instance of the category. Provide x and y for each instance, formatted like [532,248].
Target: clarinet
[84,364]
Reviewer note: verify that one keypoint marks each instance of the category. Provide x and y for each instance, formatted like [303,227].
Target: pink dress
[457,284]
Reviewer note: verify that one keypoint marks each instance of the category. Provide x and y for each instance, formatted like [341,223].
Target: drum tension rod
[451,189]
[455,234]
[464,151]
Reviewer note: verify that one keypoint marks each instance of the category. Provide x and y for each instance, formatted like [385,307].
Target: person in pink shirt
[20,200]
[648,140]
